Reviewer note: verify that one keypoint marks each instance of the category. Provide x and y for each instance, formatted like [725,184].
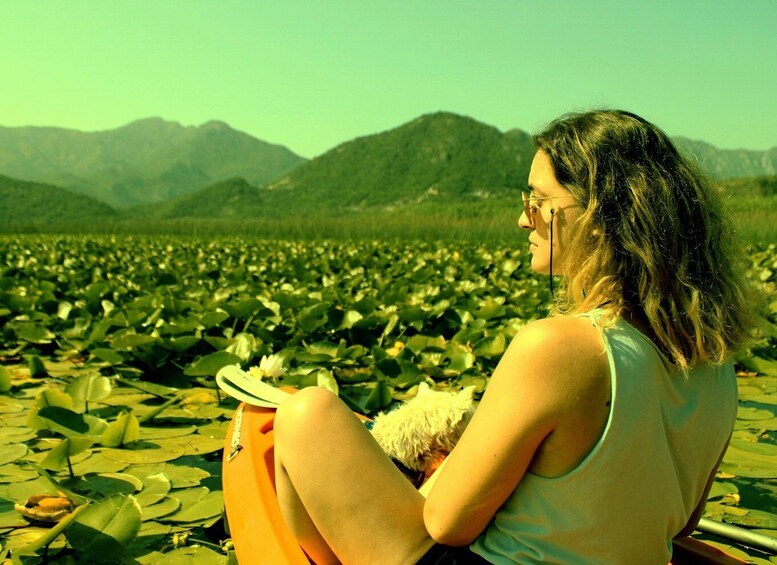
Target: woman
[598,437]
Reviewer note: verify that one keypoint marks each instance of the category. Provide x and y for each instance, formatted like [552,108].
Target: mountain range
[147,161]
[158,169]
[436,159]
[730,163]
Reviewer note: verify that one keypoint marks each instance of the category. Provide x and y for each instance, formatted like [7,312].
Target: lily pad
[461,361]
[196,505]
[490,346]
[54,397]
[761,398]
[19,492]
[181,476]
[379,398]
[166,432]
[9,517]
[11,453]
[150,533]
[216,430]
[107,484]
[37,368]
[123,400]
[748,413]
[199,445]
[243,346]
[9,406]
[125,429]
[132,341]
[24,537]
[243,308]
[752,518]
[88,388]
[102,529]
[67,422]
[58,457]
[165,507]
[155,488]
[755,450]
[154,529]
[720,489]
[34,333]
[16,436]
[5,380]
[181,344]
[769,425]
[191,414]
[13,473]
[313,317]
[477,381]
[110,356]
[209,365]
[750,470]
[145,452]
[325,379]
[98,463]
[194,554]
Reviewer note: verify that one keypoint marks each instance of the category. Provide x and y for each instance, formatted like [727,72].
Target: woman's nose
[523,221]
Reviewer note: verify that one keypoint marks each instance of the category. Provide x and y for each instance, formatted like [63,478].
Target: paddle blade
[242,386]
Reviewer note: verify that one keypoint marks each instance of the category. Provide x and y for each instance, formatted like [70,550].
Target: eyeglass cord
[552,211]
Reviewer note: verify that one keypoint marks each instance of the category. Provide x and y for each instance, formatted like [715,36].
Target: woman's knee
[304,411]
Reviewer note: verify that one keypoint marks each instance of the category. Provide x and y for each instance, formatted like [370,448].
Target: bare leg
[299,520]
[338,490]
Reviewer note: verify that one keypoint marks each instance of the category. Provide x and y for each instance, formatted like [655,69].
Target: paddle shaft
[739,535]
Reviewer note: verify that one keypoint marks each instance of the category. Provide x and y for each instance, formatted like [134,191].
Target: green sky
[312,74]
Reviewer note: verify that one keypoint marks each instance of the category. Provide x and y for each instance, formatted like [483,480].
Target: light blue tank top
[637,488]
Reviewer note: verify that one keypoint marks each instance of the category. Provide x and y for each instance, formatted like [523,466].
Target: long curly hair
[654,237]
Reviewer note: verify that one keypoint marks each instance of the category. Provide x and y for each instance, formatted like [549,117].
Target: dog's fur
[422,431]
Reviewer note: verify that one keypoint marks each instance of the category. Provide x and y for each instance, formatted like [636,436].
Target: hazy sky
[312,74]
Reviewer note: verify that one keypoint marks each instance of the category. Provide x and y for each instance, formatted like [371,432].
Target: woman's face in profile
[546,195]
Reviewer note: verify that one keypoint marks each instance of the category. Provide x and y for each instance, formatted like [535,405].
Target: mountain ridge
[24,202]
[729,163]
[148,160]
[440,153]
[437,159]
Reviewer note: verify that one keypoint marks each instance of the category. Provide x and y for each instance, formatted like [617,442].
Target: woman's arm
[545,374]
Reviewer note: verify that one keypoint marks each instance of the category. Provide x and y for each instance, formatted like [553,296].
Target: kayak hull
[256,525]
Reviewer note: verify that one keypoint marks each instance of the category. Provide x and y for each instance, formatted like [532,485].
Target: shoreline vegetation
[754,216]
[754,220]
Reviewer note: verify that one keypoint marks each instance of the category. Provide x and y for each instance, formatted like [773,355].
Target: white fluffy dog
[421,432]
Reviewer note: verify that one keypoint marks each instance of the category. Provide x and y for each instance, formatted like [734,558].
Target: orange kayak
[258,531]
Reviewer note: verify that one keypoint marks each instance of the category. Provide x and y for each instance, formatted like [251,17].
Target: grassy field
[754,216]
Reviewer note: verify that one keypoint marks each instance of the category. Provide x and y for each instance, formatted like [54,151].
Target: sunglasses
[530,206]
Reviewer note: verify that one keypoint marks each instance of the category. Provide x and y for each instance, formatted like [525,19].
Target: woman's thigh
[365,509]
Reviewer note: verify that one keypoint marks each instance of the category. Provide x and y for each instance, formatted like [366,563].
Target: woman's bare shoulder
[575,334]
[562,350]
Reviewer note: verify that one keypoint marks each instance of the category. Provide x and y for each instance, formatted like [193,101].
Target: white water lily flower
[269,367]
